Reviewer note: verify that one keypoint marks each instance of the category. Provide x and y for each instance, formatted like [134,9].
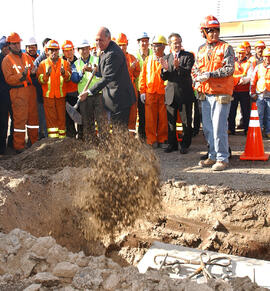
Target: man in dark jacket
[118,92]
[179,95]
[5,105]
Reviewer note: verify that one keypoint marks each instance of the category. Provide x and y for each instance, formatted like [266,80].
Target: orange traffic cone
[254,149]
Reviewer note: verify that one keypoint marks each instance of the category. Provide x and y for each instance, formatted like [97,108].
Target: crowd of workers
[155,89]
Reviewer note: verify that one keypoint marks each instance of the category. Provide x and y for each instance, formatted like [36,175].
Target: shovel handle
[90,79]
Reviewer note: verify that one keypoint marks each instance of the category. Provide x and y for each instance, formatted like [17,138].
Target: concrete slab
[257,270]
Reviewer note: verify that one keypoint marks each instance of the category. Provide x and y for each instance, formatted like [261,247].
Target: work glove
[203,77]
[142,97]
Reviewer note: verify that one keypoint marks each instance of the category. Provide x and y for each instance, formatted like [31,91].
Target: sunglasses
[211,30]
[157,45]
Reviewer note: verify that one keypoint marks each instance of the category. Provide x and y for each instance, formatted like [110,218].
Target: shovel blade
[73,113]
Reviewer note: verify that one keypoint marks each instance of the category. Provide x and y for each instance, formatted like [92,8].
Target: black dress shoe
[183,151]
[171,148]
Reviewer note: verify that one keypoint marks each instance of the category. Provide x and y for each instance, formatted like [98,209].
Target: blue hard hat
[143,35]
[3,42]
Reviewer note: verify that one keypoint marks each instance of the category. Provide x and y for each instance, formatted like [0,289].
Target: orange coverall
[54,93]
[23,98]
[134,72]
[151,84]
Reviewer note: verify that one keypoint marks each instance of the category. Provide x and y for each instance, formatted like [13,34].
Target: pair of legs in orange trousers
[156,124]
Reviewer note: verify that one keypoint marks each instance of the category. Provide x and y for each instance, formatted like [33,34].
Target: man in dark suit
[179,95]
[118,92]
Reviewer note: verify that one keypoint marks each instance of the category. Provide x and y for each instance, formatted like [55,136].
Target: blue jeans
[215,127]
[263,105]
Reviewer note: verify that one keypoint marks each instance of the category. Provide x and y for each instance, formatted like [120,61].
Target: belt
[19,86]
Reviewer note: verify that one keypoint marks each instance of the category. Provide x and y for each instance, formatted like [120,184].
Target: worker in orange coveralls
[134,72]
[18,70]
[52,73]
[152,90]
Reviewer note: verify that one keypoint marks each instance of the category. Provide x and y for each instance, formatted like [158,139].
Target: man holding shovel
[115,83]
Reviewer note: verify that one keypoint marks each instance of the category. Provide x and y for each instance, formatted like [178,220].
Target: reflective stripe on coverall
[23,98]
[150,82]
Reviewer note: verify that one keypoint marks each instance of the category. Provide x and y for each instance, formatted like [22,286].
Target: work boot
[207,163]
[220,166]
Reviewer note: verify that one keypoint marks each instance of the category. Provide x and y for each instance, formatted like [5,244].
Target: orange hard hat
[241,49]
[259,43]
[266,52]
[67,45]
[14,37]
[246,44]
[210,21]
[113,38]
[52,44]
[122,39]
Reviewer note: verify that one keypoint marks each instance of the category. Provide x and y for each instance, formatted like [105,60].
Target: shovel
[72,110]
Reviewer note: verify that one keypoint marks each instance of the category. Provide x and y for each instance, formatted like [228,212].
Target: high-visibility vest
[212,63]
[140,59]
[19,69]
[255,61]
[150,80]
[240,70]
[54,87]
[93,60]
[263,78]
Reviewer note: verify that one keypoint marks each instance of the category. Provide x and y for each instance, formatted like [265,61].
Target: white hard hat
[83,43]
[31,41]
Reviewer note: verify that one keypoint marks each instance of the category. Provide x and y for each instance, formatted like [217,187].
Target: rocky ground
[111,201]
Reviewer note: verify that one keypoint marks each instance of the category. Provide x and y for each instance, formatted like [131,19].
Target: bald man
[118,92]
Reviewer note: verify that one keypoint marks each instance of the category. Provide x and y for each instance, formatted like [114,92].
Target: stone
[46,279]
[65,269]
[111,282]
[33,287]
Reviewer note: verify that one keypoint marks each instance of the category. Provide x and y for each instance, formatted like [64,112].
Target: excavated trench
[58,189]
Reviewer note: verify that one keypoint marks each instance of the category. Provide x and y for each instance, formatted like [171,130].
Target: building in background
[244,20]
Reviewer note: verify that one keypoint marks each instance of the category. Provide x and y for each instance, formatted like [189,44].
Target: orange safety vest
[261,78]
[255,61]
[240,70]
[136,72]
[150,80]
[211,64]
[53,86]
[18,69]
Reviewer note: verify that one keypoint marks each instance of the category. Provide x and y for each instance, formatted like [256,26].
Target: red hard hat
[260,43]
[122,39]
[67,45]
[52,44]
[246,44]
[210,21]
[14,37]
[241,49]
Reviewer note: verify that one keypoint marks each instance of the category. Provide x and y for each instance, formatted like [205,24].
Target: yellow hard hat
[160,39]
[266,52]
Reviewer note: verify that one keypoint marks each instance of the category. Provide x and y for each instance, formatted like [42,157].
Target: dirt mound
[77,191]
[51,154]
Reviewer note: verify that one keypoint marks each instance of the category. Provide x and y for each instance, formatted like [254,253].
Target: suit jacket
[179,86]
[115,83]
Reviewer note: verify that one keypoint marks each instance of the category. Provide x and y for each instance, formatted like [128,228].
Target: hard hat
[122,39]
[241,49]
[159,39]
[259,43]
[83,43]
[14,37]
[113,38]
[266,52]
[3,42]
[67,45]
[246,44]
[143,35]
[210,21]
[31,41]
[52,44]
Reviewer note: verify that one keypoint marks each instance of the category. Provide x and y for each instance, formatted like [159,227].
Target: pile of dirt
[80,191]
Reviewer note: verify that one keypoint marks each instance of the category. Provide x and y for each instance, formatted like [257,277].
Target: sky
[80,19]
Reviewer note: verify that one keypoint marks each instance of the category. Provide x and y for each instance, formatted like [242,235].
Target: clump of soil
[123,185]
